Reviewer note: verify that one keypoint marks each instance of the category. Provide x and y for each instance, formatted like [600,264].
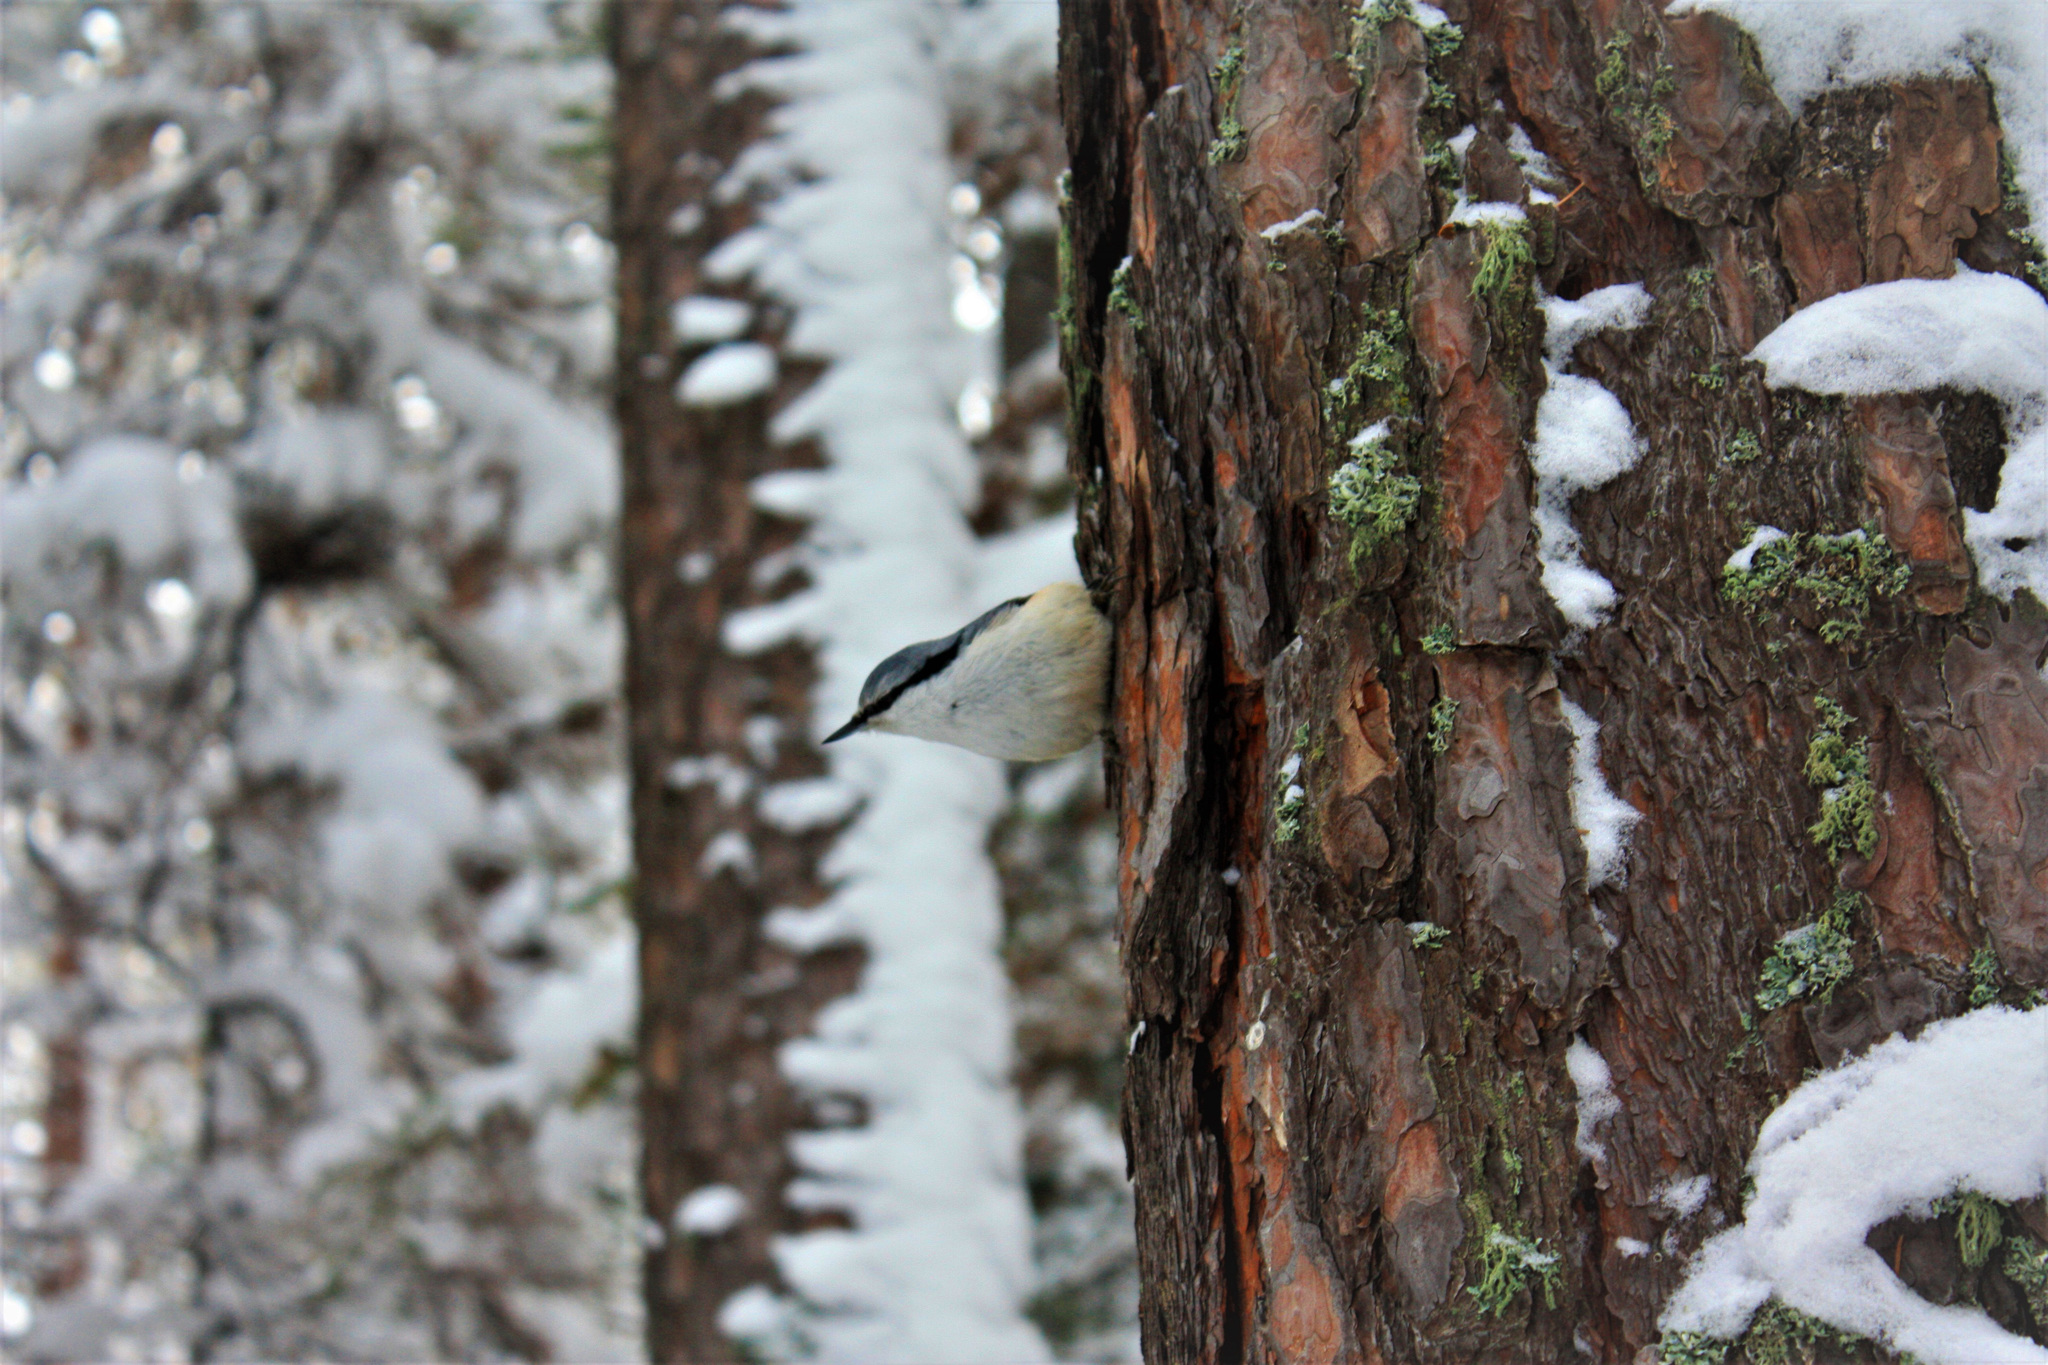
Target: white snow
[404,804]
[1603,819]
[1973,331]
[1909,335]
[122,492]
[811,803]
[557,1031]
[704,318]
[1631,1246]
[320,741]
[1685,1195]
[1970,331]
[1746,556]
[1467,213]
[727,374]
[1595,1086]
[762,736]
[710,1210]
[319,459]
[1567,322]
[728,851]
[1962,1107]
[1371,435]
[728,779]
[569,480]
[806,930]
[1294,224]
[1583,439]
[1535,165]
[764,1320]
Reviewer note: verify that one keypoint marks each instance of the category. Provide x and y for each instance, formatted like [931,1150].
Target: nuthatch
[1027,680]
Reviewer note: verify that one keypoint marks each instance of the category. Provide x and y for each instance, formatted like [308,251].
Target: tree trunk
[1355,910]
[717,997]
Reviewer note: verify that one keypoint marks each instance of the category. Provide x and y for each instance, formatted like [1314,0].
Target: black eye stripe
[942,658]
[927,670]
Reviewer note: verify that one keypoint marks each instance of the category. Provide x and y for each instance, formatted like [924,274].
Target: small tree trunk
[67,1098]
[707,727]
[1356,917]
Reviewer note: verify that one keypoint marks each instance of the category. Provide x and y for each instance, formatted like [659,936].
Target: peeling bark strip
[1355,918]
[717,997]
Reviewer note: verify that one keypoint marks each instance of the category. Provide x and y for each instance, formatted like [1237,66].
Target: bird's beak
[843,731]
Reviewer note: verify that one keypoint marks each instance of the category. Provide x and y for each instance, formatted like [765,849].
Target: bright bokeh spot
[56,370]
[102,32]
[417,410]
[170,599]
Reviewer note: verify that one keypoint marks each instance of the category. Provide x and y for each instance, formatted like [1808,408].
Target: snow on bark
[727,374]
[702,318]
[1603,819]
[1812,46]
[1745,554]
[1595,1088]
[1972,331]
[1963,1107]
[1583,439]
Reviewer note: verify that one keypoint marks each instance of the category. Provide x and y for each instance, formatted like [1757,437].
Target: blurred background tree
[842,427]
[318,991]
[320,1033]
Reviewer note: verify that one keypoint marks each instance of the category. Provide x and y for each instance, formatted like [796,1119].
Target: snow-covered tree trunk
[1549,716]
[791,176]
[732,806]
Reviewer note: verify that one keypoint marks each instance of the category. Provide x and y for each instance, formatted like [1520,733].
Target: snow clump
[1971,331]
[1962,1107]
[1583,439]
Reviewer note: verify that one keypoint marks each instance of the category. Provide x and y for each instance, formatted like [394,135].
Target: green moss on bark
[1840,766]
[1371,496]
[1230,134]
[1841,576]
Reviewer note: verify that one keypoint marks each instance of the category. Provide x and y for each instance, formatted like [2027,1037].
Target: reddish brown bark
[60,1267]
[717,998]
[1325,1118]
[67,1105]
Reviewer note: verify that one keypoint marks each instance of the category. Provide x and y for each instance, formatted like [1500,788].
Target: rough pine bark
[717,998]
[1352,1003]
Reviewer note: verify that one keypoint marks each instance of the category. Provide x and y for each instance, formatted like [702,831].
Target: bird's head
[1024,680]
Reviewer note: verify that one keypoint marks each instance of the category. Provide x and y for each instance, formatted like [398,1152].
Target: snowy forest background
[318,968]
